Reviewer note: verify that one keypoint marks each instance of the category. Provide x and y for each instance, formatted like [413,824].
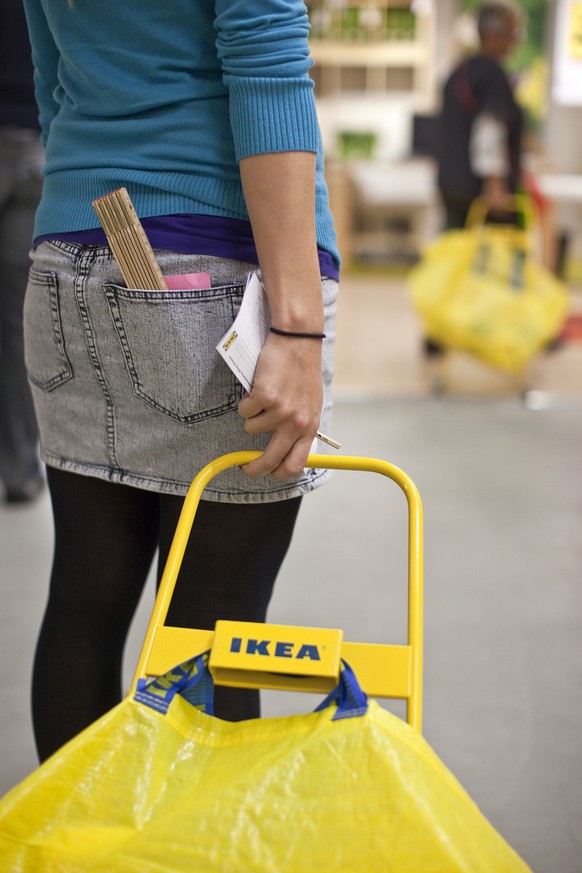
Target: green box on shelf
[356,144]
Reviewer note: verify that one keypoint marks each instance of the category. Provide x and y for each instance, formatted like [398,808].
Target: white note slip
[242,343]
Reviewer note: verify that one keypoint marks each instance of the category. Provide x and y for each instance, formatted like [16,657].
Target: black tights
[106,536]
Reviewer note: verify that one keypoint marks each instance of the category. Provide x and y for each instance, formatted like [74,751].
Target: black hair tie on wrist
[300,334]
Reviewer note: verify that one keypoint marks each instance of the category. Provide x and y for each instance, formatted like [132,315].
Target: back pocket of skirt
[46,357]
[168,339]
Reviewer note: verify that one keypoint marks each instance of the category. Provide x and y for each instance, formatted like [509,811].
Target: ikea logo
[230,340]
[277,649]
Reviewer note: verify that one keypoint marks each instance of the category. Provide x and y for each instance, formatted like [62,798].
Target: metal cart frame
[383,670]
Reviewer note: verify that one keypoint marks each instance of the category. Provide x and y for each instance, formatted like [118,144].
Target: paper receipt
[242,343]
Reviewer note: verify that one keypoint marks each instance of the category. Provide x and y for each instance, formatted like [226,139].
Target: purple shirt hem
[194,235]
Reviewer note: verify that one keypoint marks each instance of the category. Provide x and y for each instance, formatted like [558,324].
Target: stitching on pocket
[56,368]
[189,382]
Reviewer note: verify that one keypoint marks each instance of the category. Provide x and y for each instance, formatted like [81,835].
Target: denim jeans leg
[20,188]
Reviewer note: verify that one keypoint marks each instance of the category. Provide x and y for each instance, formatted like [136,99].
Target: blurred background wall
[378,69]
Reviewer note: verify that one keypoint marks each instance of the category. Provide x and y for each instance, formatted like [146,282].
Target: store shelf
[374,68]
[361,54]
[352,51]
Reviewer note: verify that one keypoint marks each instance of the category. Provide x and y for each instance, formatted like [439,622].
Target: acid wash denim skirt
[127,383]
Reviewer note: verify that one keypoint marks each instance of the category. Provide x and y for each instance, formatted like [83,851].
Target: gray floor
[502,491]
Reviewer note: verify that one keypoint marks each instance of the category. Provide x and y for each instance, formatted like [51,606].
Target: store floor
[500,478]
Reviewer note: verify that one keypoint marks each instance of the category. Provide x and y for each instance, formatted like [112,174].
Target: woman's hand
[286,400]
[496,195]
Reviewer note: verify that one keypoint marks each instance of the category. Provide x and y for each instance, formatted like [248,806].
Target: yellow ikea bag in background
[479,290]
[158,785]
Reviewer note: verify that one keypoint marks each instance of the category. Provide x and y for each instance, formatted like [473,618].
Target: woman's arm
[489,160]
[264,51]
[287,395]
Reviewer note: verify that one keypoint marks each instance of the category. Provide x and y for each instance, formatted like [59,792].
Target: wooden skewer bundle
[128,241]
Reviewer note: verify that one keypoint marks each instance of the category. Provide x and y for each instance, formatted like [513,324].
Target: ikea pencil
[328,440]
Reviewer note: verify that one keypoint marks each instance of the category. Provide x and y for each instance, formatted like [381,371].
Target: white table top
[413,182]
[563,187]
[408,182]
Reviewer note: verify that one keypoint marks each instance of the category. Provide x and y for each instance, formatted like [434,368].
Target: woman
[205,113]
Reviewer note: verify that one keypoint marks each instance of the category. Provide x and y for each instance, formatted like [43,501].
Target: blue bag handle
[193,681]
[351,699]
[516,277]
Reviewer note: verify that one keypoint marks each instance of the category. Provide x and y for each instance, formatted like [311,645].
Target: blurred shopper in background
[481,125]
[481,122]
[21,160]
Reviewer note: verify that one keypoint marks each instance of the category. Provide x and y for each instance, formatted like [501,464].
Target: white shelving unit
[371,77]
[371,60]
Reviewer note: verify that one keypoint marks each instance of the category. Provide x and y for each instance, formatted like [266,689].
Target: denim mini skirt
[127,383]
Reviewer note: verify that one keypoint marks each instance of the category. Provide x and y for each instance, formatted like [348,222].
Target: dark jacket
[17,103]
[479,84]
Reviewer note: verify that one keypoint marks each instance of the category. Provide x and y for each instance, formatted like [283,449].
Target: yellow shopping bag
[479,290]
[159,785]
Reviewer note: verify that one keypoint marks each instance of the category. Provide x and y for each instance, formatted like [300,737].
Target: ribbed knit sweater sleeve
[263,49]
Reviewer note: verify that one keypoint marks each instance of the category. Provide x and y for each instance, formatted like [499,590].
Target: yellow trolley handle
[337,462]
